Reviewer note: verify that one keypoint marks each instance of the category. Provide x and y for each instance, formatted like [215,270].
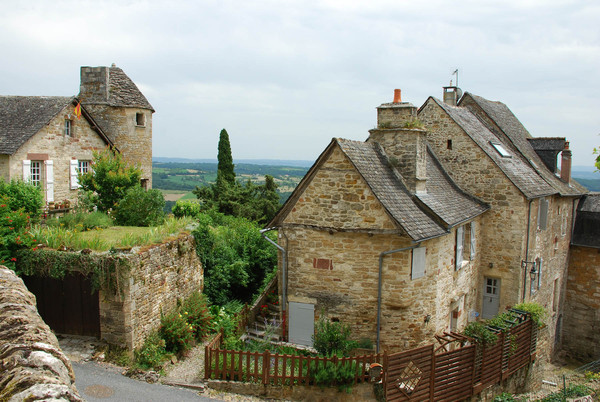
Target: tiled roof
[518,135]
[586,231]
[516,168]
[445,199]
[123,92]
[21,117]
[371,162]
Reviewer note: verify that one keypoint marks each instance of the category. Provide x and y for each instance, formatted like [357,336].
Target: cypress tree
[225,172]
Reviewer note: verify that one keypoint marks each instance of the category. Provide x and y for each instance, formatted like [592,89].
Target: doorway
[302,323]
[491,297]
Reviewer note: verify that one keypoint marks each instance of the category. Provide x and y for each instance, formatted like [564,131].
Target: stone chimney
[405,143]
[548,149]
[452,94]
[565,166]
[94,85]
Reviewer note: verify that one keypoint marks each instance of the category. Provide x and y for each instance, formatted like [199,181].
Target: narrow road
[97,382]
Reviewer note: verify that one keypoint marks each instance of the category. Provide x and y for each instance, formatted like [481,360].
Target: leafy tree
[109,178]
[140,208]
[225,169]
[597,164]
[23,195]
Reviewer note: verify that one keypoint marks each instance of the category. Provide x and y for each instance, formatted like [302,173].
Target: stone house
[582,307]
[378,236]
[527,232]
[45,141]
[472,189]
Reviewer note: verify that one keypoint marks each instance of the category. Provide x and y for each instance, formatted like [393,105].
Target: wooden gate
[409,375]
[68,305]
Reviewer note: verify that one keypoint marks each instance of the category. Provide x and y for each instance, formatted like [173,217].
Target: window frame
[140,119]
[68,129]
[83,165]
[35,178]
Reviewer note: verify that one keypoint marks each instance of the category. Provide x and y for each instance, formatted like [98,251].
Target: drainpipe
[283,266]
[526,252]
[379,284]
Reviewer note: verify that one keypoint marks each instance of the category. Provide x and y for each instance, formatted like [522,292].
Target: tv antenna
[455,72]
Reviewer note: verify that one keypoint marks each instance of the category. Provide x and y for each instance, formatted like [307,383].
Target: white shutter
[27,171]
[49,180]
[418,262]
[539,278]
[460,238]
[74,169]
[472,240]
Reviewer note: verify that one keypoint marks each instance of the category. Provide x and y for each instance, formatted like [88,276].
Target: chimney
[452,94]
[548,149]
[404,141]
[94,85]
[565,167]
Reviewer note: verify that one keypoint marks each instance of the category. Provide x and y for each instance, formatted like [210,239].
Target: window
[418,262]
[465,244]
[449,144]
[83,166]
[543,214]
[140,119]
[68,127]
[460,241]
[501,150]
[35,176]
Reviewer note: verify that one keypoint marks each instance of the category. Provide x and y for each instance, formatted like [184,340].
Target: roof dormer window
[501,150]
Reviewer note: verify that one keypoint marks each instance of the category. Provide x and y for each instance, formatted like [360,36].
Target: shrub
[329,373]
[332,338]
[572,391]
[195,310]
[80,221]
[176,332]
[152,352]
[140,208]
[13,232]
[480,333]
[186,208]
[537,312]
[22,195]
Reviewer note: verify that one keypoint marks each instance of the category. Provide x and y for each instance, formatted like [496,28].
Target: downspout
[526,252]
[379,284]
[283,266]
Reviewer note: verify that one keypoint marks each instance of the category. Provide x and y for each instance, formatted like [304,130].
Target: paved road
[97,382]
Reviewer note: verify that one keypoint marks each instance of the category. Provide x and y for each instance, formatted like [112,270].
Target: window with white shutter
[49,180]
[472,240]
[543,214]
[27,171]
[460,240]
[74,169]
[418,262]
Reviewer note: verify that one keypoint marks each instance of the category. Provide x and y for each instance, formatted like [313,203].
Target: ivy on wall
[106,271]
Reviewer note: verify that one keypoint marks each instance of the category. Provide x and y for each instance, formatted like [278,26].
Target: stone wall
[32,366]
[52,142]
[4,167]
[581,333]
[160,276]
[337,269]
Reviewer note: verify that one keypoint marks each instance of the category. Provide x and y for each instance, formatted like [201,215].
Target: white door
[302,323]
[491,297]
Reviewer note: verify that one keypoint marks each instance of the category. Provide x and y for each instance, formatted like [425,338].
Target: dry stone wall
[32,366]
[159,277]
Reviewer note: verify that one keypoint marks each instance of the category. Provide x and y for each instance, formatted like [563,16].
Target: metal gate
[68,305]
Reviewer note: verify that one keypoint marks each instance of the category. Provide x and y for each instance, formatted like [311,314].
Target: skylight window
[501,150]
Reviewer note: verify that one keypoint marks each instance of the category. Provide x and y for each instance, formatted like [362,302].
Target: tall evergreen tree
[225,172]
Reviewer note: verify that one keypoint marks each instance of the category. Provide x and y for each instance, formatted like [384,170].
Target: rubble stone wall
[32,366]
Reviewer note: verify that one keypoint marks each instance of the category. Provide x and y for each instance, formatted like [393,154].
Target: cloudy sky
[284,77]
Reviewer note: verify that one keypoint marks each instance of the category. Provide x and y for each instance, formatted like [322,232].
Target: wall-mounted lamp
[427,319]
[533,273]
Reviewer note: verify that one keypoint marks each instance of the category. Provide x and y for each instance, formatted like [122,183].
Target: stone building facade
[353,228]
[46,141]
[371,237]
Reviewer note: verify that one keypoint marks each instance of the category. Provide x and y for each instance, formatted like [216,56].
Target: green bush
[80,221]
[152,352]
[22,195]
[176,332]
[572,391]
[537,311]
[196,312]
[506,397]
[140,208]
[186,208]
[330,374]
[480,333]
[332,338]
[13,233]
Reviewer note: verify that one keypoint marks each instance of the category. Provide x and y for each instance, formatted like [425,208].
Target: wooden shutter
[460,238]
[74,169]
[418,262]
[27,171]
[472,256]
[49,180]
[543,214]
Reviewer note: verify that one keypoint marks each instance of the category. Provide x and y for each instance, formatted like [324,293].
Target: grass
[112,237]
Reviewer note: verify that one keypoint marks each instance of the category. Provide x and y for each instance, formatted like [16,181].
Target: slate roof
[518,135]
[420,217]
[586,231]
[516,168]
[21,117]
[122,91]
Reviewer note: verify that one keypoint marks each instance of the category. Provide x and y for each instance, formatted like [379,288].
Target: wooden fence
[423,373]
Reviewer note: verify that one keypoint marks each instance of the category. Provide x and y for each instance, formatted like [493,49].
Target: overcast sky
[284,77]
